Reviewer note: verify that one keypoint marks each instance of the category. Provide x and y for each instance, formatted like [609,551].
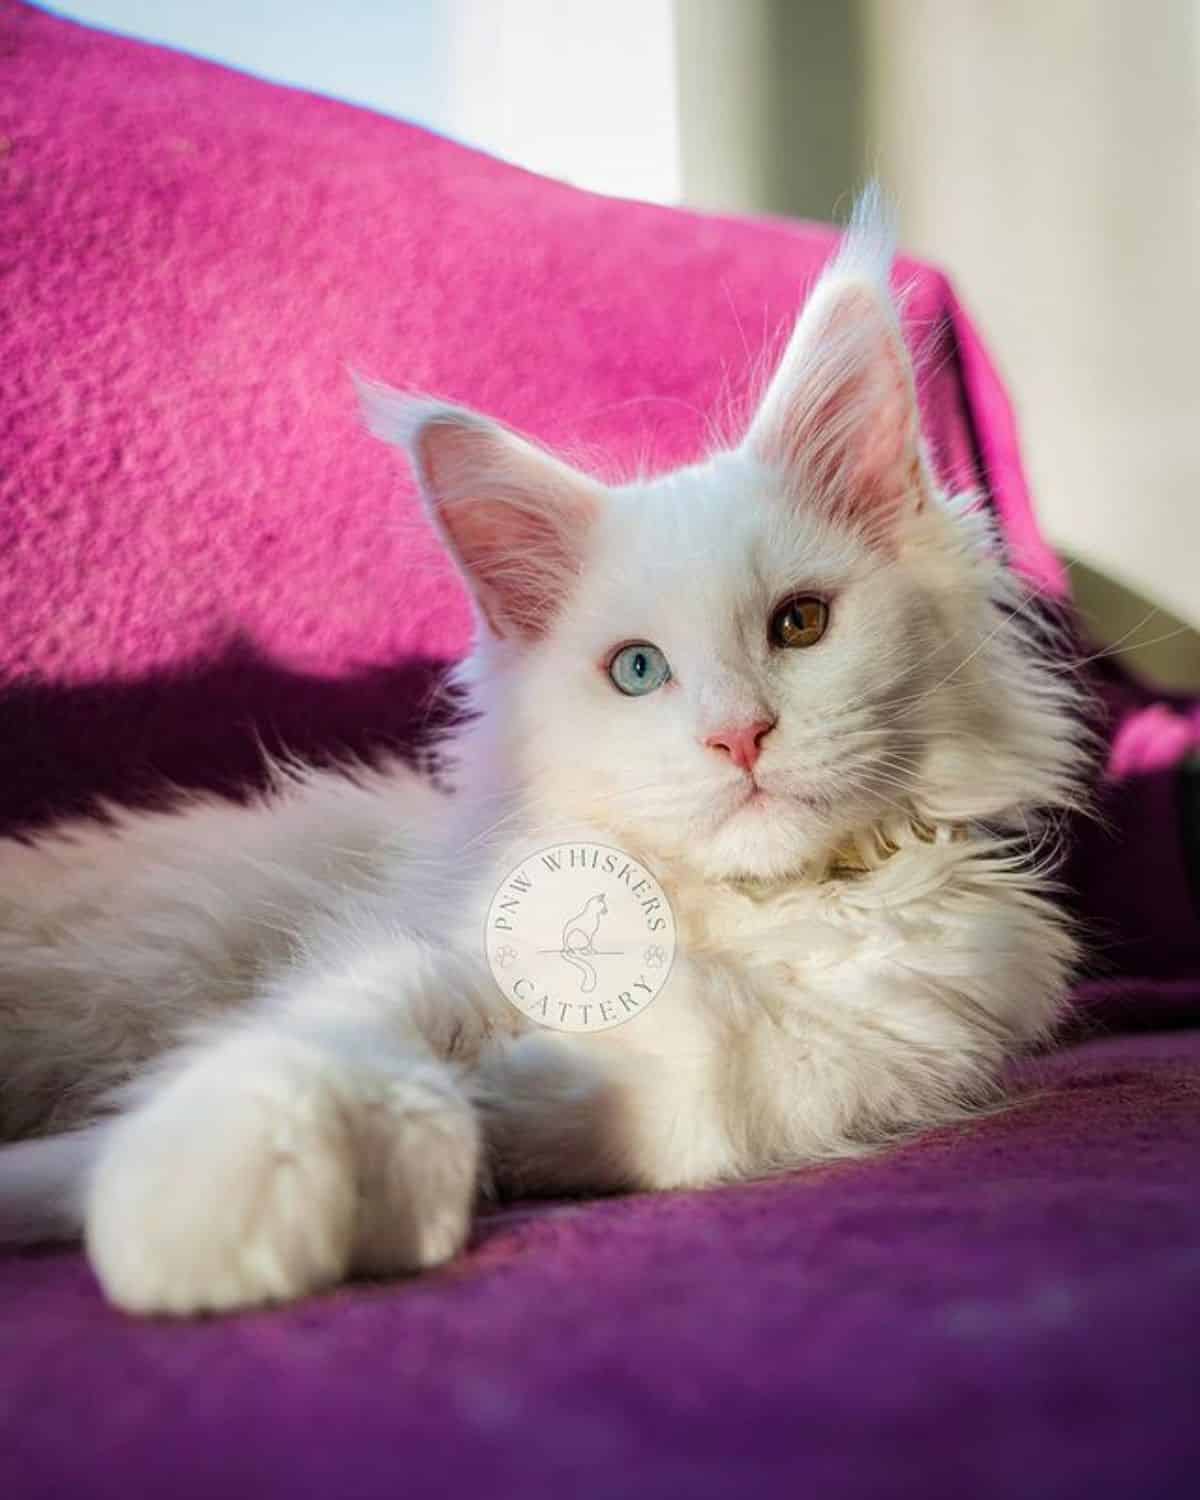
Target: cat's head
[741,663]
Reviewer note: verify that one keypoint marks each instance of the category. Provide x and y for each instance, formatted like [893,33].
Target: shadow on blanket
[209,726]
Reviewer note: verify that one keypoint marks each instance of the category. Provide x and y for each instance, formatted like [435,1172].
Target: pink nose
[742,742]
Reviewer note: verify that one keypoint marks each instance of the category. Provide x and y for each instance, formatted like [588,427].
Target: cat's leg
[328,1134]
[644,1106]
[730,1075]
[566,1116]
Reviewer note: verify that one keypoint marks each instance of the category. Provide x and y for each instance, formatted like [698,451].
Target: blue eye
[639,669]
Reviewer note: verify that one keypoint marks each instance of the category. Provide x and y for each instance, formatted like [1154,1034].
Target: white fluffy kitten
[257,1049]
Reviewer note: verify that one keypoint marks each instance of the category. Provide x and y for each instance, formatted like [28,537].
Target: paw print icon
[505,956]
[655,956]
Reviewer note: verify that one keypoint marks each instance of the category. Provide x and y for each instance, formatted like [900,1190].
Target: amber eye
[799,621]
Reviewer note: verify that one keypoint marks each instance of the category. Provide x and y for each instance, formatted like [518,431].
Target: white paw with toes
[270,1168]
[233,1185]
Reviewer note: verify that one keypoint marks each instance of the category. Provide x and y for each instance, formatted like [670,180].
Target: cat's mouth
[758,798]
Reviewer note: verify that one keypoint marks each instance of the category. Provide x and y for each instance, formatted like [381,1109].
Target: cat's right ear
[514,517]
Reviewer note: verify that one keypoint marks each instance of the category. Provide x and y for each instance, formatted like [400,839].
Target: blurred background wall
[1048,155]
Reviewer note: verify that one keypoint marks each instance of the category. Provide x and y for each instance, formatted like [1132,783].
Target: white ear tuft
[840,415]
[514,517]
[869,244]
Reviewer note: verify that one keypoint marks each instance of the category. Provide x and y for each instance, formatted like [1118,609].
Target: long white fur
[255,1049]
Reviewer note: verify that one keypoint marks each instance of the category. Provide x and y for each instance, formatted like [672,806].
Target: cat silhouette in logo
[579,937]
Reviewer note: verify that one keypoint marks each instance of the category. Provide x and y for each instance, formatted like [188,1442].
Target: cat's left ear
[514,517]
[840,416]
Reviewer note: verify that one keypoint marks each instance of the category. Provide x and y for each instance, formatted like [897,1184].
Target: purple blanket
[1007,1310]
[200,552]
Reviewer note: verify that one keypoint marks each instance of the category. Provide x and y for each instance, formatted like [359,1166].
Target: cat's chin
[767,838]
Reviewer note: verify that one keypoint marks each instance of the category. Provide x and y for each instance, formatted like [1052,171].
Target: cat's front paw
[234,1185]
[420,1159]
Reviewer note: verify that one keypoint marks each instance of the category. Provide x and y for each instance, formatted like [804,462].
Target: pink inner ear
[841,415]
[515,518]
[518,561]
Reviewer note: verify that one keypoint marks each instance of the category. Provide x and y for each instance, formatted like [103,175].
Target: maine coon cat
[250,1050]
